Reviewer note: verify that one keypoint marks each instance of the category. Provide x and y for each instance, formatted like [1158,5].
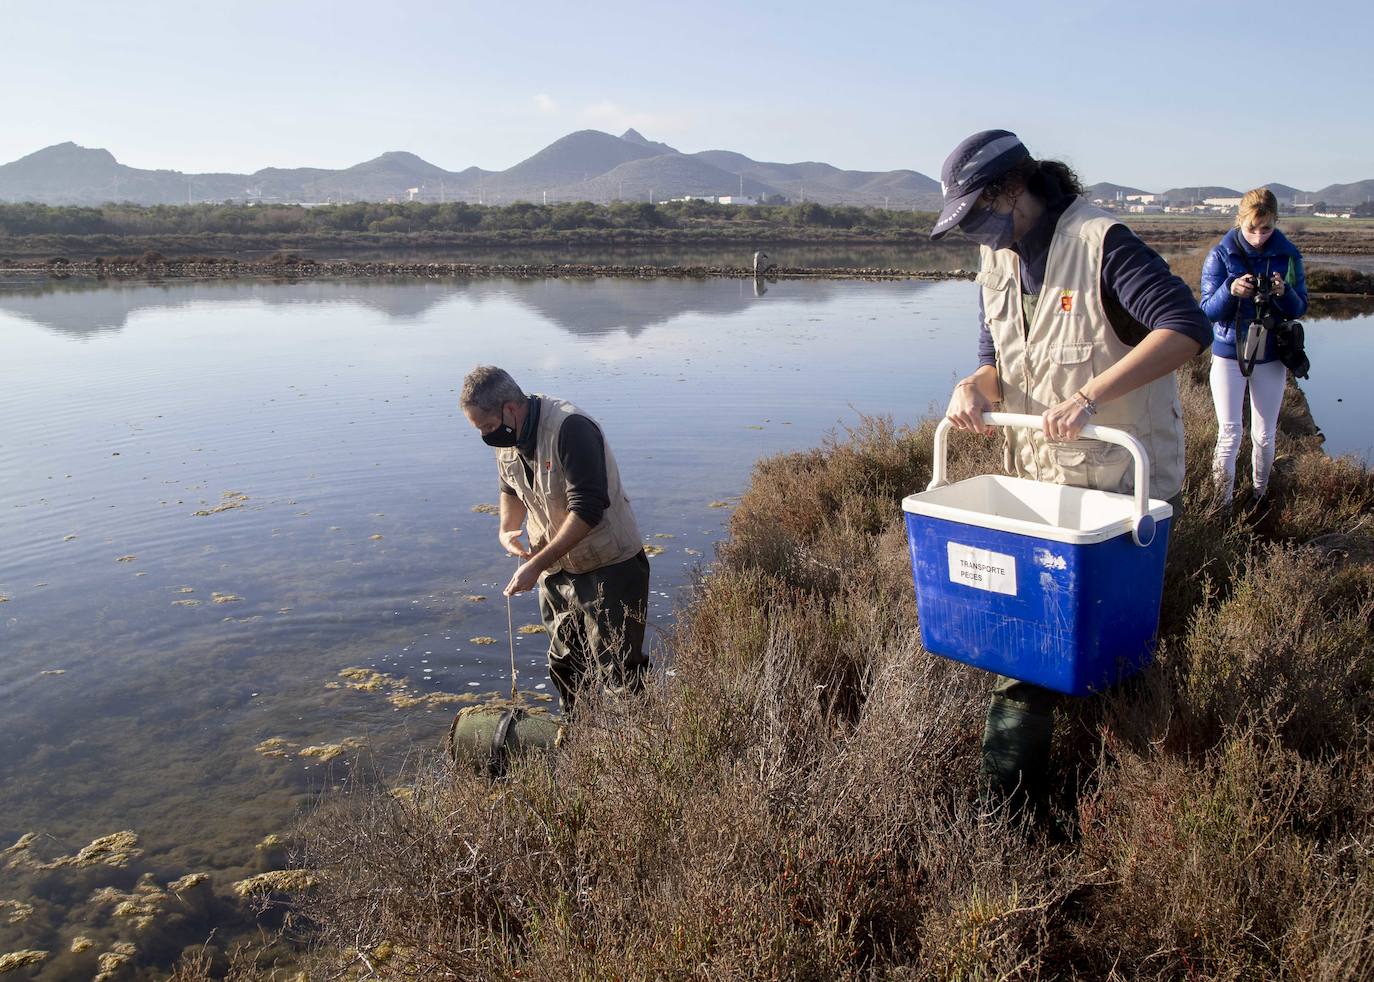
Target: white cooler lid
[1059,512]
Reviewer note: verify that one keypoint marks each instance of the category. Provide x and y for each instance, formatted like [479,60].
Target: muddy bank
[292,267]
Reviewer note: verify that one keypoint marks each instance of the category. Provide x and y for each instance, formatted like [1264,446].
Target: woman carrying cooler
[1251,252]
[1079,321]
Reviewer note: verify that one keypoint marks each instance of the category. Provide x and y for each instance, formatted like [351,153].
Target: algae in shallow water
[275,747]
[328,751]
[482,639]
[229,501]
[109,850]
[114,960]
[140,906]
[19,911]
[532,629]
[486,509]
[126,559]
[367,680]
[225,598]
[653,550]
[475,598]
[276,881]
[190,881]
[81,943]
[14,960]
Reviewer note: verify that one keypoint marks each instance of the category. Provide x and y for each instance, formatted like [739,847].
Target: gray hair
[488,388]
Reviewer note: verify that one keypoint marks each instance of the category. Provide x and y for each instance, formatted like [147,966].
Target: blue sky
[1157,95]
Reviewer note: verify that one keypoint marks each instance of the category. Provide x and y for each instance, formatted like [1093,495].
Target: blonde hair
[1257,203]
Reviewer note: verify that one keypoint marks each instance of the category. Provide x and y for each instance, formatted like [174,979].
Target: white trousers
[1228,396]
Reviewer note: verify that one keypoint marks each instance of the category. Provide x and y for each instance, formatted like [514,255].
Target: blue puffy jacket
[1232,258]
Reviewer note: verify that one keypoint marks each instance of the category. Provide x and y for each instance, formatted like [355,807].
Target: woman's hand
[1243,286]
[1279,285]
[1065,420]
[966,408]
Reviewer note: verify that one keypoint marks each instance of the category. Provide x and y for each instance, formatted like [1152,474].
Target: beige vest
[612,540]
[1069,341]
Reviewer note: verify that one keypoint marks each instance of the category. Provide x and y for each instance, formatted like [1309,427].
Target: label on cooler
[982,569]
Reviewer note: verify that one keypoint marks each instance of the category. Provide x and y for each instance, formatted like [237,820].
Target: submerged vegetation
[797,799]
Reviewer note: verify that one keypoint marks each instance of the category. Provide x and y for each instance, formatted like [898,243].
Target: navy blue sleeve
[582,455]
[1218,302]
[1146,289]
[987,352]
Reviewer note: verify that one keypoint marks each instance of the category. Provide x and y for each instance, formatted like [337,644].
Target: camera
[1288,335]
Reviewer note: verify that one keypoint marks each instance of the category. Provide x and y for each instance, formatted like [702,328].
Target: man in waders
[559,479]
[1080,322]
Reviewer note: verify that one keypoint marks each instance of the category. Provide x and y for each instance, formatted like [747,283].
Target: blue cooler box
[1047,583]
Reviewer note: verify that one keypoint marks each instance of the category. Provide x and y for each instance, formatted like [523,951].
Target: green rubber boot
[1016,753]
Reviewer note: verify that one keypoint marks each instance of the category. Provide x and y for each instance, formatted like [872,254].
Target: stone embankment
[292,267]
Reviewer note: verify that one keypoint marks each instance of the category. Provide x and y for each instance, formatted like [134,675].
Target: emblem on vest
[1066,301]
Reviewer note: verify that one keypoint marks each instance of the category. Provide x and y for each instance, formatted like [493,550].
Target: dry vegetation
[798,800]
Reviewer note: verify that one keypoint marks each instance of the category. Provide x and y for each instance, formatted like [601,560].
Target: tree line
[450,217]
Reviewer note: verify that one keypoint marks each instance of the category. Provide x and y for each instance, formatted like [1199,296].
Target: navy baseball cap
[975,163]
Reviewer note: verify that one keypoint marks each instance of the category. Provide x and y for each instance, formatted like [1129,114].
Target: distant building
[709,198]
[1221,203]
[1144,209]
[1145,199]
[737,199]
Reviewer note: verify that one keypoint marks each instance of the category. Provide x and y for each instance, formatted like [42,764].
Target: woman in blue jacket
[1252,251]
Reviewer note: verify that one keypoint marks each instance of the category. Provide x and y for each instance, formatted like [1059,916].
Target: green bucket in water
[487,737]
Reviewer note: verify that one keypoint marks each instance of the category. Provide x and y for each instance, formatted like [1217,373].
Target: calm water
[324,415]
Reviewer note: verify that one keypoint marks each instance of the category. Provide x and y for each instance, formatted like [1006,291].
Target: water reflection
[84,307]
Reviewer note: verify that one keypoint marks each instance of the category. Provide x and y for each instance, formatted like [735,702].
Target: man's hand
[510,541]
[966,408]
[525,579]
[1065,420]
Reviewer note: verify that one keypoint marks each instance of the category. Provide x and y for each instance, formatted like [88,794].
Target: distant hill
[665,176]
[633,135]
[1197,194]
[573,159]
[66,174]
[584,165]
[831,185]
[1345,194]
[1107,191]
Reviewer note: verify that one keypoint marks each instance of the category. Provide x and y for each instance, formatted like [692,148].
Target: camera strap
[1252,338]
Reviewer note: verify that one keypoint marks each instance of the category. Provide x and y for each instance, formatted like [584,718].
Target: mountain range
[587,165]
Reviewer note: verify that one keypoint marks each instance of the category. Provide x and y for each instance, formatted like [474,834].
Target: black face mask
[502,436]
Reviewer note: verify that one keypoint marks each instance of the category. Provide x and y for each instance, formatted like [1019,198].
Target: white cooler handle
[1143,529]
